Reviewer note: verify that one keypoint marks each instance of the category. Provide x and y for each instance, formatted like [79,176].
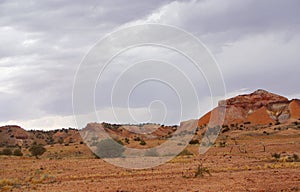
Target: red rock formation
[294,108]
[260,107]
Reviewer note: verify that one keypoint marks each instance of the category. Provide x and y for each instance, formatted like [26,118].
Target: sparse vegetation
[285,157]
[137,139]
[17,152]
[295,157]
[276,155]
[194,142]
[225,129]
[142,142]
[37,150]
[222,144]
[8,184]
[277,123]
[127,140]
[60,140]
[185,152]
[6,151]
[201,170]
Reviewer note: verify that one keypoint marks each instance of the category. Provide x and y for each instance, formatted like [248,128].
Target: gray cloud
[255,43]
[44,42]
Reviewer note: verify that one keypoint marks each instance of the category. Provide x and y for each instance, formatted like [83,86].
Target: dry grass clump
[8,184]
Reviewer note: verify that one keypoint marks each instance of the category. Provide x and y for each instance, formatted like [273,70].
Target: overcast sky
[255,43]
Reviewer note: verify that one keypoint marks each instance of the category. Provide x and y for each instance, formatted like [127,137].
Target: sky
[255,44]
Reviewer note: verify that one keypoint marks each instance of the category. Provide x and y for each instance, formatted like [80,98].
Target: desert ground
[258,160]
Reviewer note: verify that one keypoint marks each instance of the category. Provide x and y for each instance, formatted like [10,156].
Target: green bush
[296,157]
[225,129]
[222,144]
[18,152]
[119,141]
[137,139]
[194,142]
[37,150]
[109,148]
[201,170]
[142,142]
[6,151]
[185,152]
[276,155]
[127,140]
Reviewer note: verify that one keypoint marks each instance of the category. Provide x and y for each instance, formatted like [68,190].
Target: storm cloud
[255,43]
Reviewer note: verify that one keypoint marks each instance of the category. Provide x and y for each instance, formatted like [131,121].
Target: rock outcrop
[260,108]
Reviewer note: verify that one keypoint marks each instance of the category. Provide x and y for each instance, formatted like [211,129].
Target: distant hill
[260,108]
[13,135]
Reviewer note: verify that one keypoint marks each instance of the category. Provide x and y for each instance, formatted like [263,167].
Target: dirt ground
[246,163]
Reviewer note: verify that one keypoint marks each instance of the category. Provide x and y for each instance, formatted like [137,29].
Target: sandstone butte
[258,108]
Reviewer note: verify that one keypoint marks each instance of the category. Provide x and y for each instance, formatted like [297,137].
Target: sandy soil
[244,164]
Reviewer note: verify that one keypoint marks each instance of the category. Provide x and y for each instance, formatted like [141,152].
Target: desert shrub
[185,152]
[18,152]
[151,153]
[201,170]
[6,151]
[142,142]
[137,139]
[7,182]
[109,148]
[225,129]
[50,140]
[222,144]
[66,144]
[81,142]
[276,155]
[127,140]
[194,142]
[37,150]
[60,140]
[247,123]
[119,141]
[266,133]
[296,157]
[277,123]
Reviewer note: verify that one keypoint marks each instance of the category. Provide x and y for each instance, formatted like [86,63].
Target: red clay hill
[258,108]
